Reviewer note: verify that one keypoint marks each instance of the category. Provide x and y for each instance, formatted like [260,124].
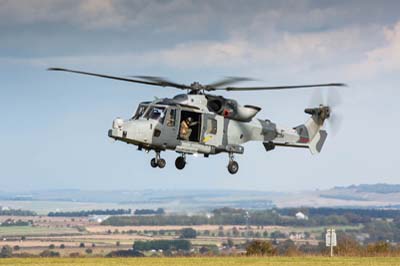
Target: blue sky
[54,126]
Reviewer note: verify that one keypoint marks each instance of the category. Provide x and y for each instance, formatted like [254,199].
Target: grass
[32,230]
[207,261]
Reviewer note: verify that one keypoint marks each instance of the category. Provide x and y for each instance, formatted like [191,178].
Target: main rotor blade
[108,76]
[163,81]
[226,81]
[280,87]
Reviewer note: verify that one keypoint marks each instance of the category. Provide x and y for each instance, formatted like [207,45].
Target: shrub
[49,254]
[260,248]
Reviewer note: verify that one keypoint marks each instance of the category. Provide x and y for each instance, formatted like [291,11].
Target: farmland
[206,261]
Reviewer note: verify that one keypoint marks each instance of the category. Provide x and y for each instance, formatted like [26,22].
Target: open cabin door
[194,129]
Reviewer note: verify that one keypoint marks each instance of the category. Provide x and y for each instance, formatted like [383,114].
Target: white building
[301,216]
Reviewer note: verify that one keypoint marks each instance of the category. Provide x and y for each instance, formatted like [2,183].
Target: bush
[89,251]
[125,253]
[74,255]
[62,246]
[52,246]
[188,233]
[6,252]
[260,248]
[163,245]
[49,254]
[82,245]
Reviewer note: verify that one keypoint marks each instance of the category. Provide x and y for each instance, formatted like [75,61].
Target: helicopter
[198,122]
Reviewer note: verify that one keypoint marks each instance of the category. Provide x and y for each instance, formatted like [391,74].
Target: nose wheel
[233,166]
[158,161]
[180,162]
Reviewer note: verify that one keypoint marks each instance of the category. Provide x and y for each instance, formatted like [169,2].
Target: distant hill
[377,188]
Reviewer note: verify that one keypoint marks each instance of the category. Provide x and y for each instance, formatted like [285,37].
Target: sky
[53,131]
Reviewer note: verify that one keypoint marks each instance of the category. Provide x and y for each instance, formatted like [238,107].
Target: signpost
[330,239]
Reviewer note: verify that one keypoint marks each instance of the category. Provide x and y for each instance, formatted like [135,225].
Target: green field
[32,230]
[275,261]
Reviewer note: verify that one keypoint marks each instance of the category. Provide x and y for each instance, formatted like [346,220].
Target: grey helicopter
[198,122]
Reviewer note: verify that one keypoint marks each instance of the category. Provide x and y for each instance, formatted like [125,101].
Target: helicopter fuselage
[157,126]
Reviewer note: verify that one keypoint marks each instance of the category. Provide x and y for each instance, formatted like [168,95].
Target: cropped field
[32,231]
[238,261]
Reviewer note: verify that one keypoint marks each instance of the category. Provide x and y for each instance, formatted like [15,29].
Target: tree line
[282,217]
[90,212]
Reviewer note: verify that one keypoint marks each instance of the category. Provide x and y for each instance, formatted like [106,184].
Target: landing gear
[233,166]
[158,161]
[161,163]
[153,163]
[180,162]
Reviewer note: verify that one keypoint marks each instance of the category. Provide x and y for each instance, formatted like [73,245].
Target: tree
[62,246]
[230,243]
[287,248]
[82,245]
[89,251]
[49,253]
[6,252]
[16,248]
[381,248]
[52,246]
[347,246]
[260,248]
[235,231]
[188,233]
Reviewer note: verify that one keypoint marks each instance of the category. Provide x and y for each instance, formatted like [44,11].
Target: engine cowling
[231,109]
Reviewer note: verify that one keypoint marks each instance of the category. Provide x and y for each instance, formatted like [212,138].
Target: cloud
[385,58]
[86,13]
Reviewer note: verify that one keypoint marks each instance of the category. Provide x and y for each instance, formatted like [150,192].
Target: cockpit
[140,111]
[148,111]
[155,113]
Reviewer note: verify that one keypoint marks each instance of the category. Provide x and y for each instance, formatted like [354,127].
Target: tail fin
[315,145]
[311,133]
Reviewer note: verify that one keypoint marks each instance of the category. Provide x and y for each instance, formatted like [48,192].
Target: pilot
[185,130]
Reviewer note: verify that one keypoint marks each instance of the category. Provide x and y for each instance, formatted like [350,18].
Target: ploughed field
[207,261]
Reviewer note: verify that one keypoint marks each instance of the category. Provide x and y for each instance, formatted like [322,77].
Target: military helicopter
[198,122]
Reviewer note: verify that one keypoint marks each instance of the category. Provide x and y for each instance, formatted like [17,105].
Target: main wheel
[233,167]
[153,163]
[161,163]
[180,163]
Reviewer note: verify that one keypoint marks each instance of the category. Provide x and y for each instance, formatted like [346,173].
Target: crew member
[186,130]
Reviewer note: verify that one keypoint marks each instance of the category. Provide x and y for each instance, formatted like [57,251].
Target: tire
[233,167]
[161,163]
[153,163]
[180,163]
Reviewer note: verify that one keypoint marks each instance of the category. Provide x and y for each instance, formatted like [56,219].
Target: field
[239,261]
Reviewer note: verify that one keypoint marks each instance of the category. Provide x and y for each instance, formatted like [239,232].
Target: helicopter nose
[136,132]
[116,131]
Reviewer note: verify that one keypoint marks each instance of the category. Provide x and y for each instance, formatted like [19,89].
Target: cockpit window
[140,111]
[155,113]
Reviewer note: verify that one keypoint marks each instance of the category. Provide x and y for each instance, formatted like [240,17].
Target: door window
[211,126]
[171,119]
